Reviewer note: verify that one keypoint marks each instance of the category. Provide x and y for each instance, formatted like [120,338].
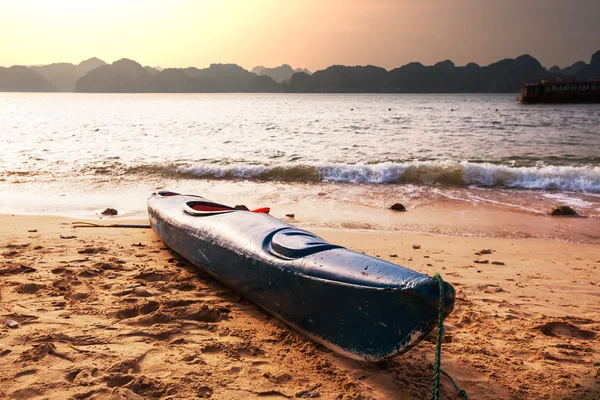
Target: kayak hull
[359,306]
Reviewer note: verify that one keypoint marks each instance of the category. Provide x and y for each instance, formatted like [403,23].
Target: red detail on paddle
[201,207]
[263,210]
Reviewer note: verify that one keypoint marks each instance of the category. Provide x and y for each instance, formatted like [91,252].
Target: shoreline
[468,212]
[112,312]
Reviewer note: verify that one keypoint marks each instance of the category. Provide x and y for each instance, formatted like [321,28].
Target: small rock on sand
[563,210]
[416,246]
[481,261]
[398,207]
[290,215]
[110,211]
[484,251]
[12,323]
[497,262]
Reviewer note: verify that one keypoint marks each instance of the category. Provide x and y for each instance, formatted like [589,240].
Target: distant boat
[359,306]
[560,90]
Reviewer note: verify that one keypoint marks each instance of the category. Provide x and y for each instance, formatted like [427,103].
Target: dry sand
[113,314]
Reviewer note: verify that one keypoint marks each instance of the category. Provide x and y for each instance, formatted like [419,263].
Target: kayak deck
[360,306]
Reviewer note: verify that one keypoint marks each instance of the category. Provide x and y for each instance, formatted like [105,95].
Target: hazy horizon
[304,34]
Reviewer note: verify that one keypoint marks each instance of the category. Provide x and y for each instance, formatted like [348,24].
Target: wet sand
[113,314]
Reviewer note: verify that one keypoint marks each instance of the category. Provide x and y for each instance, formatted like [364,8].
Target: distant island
[278,74]
[127,76]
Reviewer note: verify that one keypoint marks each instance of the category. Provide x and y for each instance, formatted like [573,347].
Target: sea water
[73,153]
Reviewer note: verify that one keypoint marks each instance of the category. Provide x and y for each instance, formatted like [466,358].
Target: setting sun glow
[305,33]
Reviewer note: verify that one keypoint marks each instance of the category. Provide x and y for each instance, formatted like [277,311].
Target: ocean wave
[584,179]
[452,173]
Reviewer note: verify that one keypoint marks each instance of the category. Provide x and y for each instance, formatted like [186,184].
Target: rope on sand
[437,369]
[82,224]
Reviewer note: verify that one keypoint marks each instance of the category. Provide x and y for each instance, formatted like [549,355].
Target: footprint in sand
[79,296]
[183,286]
[62,284]
[127,367]
[17,246]
[89,273]
[92,250]
[29,288]
[559,329]
[139,309]
[204,392]
[61,271]
[192,359]
[152,276]
[212,349]
[15,269]
[119,380]
[37,352]
[26,393]
[147,387]
[83,376]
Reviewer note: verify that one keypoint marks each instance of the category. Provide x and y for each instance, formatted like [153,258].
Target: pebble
[398,207]
[416,246]
[110,211]
[497,263]
[290,215]
[481,261]
[12,323]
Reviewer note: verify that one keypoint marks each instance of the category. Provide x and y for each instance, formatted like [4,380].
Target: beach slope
[114,314]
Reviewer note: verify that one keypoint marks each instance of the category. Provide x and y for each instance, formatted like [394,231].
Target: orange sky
[303,33]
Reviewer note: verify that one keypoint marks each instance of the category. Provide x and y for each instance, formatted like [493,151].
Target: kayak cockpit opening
[204,208]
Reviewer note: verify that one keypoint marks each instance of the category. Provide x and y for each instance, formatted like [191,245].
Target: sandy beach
[113,314]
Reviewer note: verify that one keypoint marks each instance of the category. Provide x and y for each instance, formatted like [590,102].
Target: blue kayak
[357,305]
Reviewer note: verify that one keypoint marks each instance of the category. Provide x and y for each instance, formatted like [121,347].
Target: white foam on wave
[564,178]
[567,199]
[360,173]
[576,179]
